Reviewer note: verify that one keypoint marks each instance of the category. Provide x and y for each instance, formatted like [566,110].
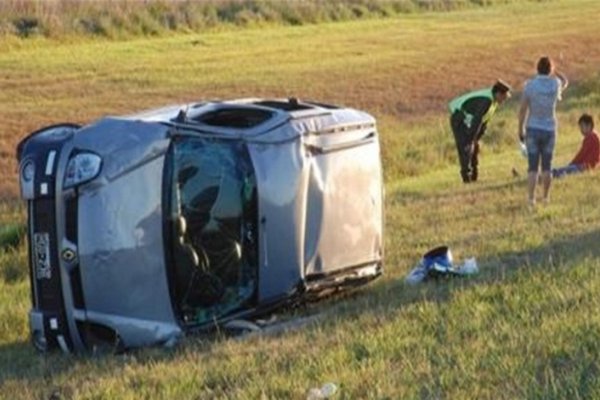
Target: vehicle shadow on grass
[564,253]
[402,196]
[21,362]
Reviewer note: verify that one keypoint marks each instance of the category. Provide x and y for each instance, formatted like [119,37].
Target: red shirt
[589,153]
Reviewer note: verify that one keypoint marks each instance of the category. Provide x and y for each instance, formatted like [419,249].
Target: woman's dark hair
[544,66]
[586,119]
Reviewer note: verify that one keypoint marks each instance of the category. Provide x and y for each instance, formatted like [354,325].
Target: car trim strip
[67,290]
[50,162]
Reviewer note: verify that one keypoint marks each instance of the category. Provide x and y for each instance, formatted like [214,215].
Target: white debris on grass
[422,271]
[324,392]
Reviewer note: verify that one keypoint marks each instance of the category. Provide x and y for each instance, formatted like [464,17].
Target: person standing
[469,117]
[537,124]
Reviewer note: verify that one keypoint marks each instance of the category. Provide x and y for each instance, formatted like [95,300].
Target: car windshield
[212,228]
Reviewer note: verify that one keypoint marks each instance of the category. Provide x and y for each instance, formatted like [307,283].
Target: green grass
[117,19]
[526,326]
[400,69]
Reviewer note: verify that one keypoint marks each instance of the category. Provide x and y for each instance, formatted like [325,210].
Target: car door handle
[370,138]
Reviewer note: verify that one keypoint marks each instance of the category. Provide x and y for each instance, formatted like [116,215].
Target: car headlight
[28,171]
[81,168]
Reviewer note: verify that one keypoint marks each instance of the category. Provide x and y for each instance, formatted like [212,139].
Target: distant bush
[13,265]
[122,18]
[11,236]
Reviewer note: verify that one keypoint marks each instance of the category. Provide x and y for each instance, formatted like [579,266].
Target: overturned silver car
[145,227]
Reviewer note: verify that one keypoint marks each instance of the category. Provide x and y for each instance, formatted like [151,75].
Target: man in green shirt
[469,116]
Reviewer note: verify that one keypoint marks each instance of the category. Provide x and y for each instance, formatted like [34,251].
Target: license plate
[41,247]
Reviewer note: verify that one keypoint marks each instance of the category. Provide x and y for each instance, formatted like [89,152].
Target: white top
[542,93]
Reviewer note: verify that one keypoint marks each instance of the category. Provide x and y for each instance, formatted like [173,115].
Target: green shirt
[478,107]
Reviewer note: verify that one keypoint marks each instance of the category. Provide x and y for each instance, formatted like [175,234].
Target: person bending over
[469,116]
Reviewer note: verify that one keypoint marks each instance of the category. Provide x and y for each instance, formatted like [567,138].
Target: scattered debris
[241,325]
[246,329]
[437,263]
[324,392]
[523,149]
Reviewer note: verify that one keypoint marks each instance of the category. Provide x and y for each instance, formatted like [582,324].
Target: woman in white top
[537,123]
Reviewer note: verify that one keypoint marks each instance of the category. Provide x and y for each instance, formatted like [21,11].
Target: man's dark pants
[467,146]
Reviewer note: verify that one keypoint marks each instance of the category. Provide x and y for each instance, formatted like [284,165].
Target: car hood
[120,229]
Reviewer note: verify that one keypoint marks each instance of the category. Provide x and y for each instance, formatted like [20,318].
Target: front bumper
[89,287]
[52,241]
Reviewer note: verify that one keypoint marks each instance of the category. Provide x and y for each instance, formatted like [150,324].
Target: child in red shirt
[588,156]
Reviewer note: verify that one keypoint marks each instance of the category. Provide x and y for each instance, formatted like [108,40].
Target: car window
[235,117]
[213,217]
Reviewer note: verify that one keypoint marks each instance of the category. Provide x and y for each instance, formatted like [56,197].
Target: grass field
[526,326]
[119,19]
